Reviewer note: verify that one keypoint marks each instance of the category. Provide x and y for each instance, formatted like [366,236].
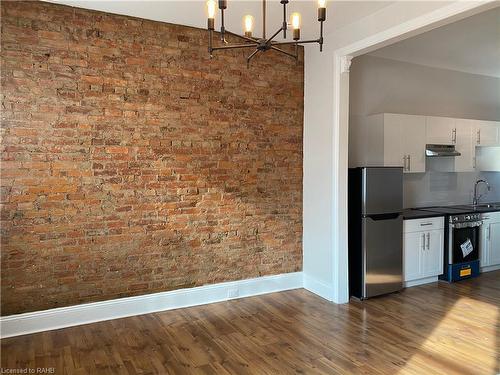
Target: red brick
[117,150]
[132,163]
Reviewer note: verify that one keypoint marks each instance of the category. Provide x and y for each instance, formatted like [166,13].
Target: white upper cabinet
[488,159]
[441,130]
[451,131]
[486,133]
[468,136]
[466,162]
[392,140]
[485,137]
[388,139]
[404,142]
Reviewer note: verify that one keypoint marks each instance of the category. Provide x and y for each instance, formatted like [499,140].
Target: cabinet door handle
[454,135]
[404,163]
[423,241]
[488,233]
[479,137]
[428,241]
[425,224]
[409,162]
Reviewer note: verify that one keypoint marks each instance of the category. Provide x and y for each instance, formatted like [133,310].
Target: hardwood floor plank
[438,328]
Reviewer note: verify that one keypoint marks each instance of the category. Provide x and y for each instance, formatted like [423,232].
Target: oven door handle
[471,224]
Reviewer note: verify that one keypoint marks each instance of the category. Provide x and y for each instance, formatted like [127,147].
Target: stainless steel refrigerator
[375,231]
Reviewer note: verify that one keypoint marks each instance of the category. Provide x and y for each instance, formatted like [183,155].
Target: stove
[465,220]
[462,232]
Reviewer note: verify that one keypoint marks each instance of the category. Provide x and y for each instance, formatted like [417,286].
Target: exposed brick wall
[132,164]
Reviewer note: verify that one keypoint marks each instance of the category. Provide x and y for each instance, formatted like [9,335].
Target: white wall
[318,174]
[381,85]
[325,170]
[193,13]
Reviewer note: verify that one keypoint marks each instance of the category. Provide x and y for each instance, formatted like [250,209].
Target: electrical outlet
[233,293]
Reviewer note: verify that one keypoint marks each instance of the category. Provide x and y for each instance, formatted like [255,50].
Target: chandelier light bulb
[211,6]
[296,21]
[321,3]
[296,26]
[248,24]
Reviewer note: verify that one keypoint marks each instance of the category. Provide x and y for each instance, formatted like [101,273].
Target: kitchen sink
[487,206]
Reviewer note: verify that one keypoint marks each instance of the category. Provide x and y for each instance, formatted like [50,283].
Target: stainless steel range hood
[437,151]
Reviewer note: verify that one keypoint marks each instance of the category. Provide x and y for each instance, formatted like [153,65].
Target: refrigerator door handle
[390,216]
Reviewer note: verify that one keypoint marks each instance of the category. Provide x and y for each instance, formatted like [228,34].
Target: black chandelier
[262,44]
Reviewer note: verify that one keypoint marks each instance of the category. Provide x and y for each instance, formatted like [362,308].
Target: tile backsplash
[439,188]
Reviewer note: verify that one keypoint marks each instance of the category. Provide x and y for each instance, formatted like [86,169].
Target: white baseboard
[490,268]
[319,288]
[425,280]
[38,321]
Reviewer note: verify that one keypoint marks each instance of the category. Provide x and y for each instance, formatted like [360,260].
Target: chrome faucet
[476,199]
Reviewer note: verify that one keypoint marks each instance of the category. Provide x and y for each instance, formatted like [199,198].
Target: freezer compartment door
[382,190]
[382,254]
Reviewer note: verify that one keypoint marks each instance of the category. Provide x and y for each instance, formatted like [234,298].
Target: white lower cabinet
[434,253]
[423,246]
[489,247]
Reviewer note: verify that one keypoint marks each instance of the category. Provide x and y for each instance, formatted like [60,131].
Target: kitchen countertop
[416,213]
[413,213]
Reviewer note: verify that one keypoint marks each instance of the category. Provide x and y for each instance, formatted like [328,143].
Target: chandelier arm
[274,35]
[234,46]
[251,56]
[284,27]
[210,47]
[222,27]
[263,19]
[253,40]
[295,42]
[285,52]
[321,37]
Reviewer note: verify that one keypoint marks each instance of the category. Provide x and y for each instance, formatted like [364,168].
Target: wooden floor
[432,329]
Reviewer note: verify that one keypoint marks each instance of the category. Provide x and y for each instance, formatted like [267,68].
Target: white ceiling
[471,45]
[192,12]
